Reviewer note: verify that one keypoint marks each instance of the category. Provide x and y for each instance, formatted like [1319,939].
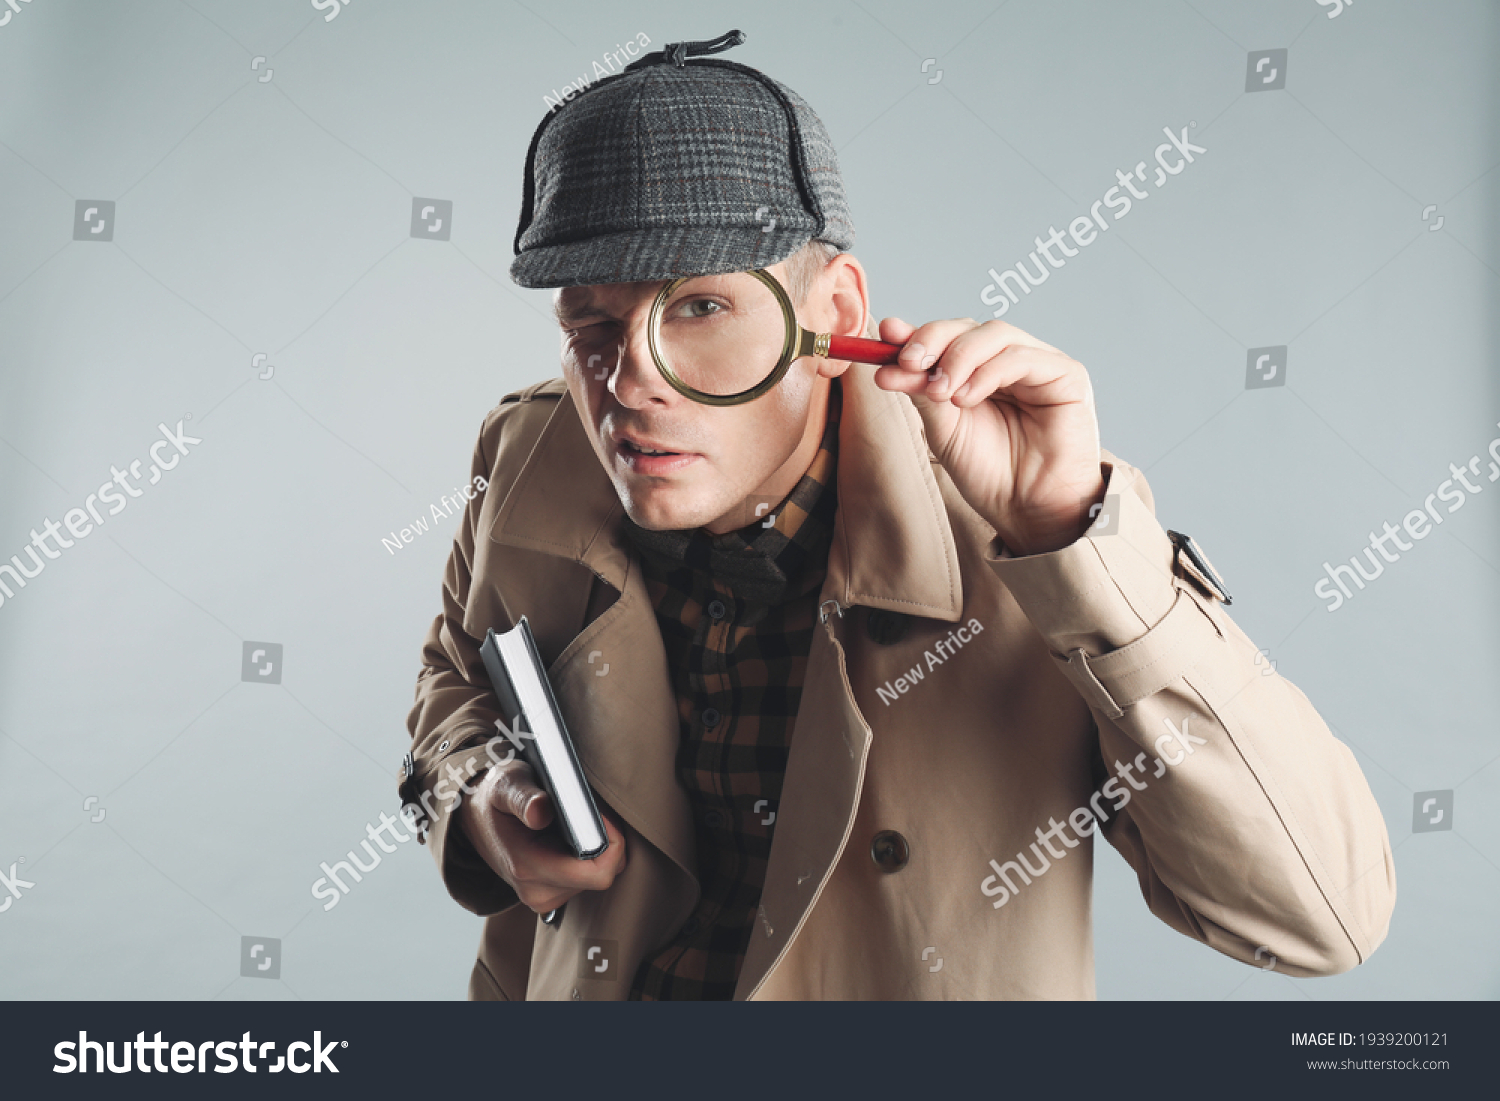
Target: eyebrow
[566,315]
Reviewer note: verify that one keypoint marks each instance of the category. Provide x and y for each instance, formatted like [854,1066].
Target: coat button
[717,610]
[886,628]
[690,927]
[890,851]
[714,820]
[711,717]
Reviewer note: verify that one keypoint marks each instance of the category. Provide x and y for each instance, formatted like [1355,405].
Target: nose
[634,381]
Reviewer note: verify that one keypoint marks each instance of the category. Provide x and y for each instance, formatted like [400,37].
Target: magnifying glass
[727,339]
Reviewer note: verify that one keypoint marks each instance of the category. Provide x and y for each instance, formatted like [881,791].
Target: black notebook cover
[545,743]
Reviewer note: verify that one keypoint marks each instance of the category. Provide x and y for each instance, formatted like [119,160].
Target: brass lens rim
[791,344]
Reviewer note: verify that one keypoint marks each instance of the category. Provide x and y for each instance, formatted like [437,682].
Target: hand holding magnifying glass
[1030,464]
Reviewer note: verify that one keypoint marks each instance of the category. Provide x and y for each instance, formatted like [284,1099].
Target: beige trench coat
[1249,825]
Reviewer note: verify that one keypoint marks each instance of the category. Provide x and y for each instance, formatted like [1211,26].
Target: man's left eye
[699,307]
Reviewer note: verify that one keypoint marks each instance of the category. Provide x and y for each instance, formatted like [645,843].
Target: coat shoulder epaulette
[551,388]
[519,415]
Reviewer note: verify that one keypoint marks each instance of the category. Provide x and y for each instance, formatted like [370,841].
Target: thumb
[520,796]
[895,331]
[908,375]
[616,838]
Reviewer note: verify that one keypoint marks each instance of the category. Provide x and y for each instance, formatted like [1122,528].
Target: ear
[849,297]
[846,305]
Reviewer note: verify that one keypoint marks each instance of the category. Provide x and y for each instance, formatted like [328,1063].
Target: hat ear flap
[528,190]
[528,185]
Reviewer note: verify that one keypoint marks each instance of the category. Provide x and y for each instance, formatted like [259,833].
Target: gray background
[275,217]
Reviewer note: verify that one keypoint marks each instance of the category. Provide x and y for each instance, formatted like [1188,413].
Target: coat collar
[892,547]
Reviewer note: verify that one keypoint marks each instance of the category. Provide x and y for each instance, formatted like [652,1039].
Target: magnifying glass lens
[721,335]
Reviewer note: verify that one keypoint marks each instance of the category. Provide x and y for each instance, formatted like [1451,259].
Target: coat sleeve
[1249,826]
[453,717]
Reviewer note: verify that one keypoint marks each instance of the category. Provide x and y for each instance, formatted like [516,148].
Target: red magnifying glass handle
[857,349]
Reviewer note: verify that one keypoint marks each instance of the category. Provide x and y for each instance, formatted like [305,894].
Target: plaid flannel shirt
[736,613]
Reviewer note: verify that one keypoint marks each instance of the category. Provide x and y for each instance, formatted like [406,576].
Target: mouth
[649,457]
[641,449]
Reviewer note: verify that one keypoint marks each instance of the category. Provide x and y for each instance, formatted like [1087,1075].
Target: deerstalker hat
[674,167]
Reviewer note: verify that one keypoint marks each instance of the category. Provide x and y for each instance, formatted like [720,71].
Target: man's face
[715,458]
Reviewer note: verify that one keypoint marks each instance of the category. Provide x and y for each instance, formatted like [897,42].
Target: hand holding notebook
[509,821]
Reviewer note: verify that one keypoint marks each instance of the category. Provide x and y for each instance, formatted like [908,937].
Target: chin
[661,512]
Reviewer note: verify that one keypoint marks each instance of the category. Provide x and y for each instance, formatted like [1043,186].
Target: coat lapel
[897,550]
[562,503]
[825,771]
[892,548]
[622,713]
[619,706]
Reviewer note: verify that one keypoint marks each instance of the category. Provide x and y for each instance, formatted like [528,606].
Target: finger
[1030,376]
[548,860]
[900,380]
[1005,335]
[614,857]
[971,349]
[539,863]
[927,344]
[964,354]
[912,372]
[939,349]
[895,331]
[517,793]
[597,873]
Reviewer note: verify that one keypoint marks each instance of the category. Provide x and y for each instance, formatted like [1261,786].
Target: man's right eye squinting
[590,334]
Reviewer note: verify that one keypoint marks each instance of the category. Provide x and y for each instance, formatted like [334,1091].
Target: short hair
[805,265]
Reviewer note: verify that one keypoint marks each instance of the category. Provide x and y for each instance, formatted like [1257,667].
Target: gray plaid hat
[676,167]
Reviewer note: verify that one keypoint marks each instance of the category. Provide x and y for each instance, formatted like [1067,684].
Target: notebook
[520,681]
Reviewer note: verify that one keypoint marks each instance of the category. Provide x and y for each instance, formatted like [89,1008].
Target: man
[857,669]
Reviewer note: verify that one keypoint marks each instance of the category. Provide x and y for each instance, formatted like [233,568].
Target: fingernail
[912,353]
[960,392]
